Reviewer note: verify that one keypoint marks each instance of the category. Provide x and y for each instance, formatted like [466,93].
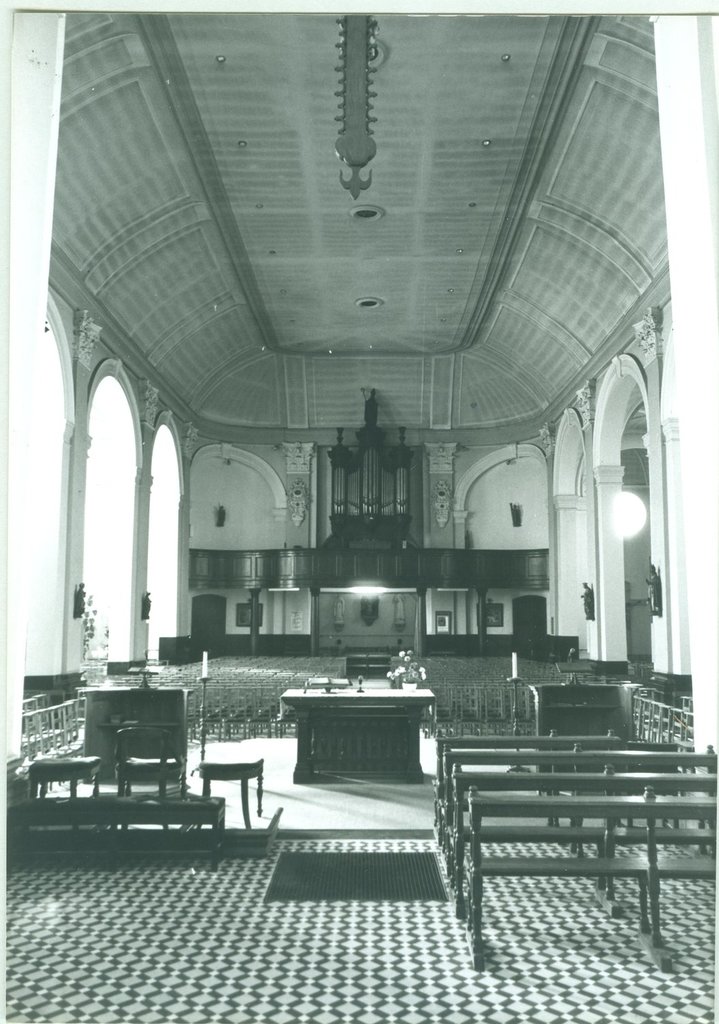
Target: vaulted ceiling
[518,229]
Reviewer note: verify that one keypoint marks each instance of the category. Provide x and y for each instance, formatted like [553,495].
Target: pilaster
[676,600]
[439,498]
[611,628]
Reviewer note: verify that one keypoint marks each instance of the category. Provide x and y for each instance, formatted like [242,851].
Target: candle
[515,672]
[204,664]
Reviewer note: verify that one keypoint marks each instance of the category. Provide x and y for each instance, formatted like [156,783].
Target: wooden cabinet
[109,708]
[585,709]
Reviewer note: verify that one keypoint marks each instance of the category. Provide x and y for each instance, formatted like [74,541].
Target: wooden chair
[147,754]
[235,771]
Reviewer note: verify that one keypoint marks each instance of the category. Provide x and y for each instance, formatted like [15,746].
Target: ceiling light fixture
[369,302]
[486,142]
[471,204]
[459,251]
[220,58]
[451,291]
[355,146]
[242,143]
[506,57]
[367,212]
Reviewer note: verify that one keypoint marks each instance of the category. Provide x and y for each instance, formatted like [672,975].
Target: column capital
[547,439]
[86,335]
[648,335]
[585,403]
[569,502]
[670,429]
[150,402]
[441,456]
[189,441]
[609,475]
[298,455]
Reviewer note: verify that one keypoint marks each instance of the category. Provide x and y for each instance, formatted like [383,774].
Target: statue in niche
[370,408]
[588,601]
[145,606]
[78,604]
[654,588]
[339,612]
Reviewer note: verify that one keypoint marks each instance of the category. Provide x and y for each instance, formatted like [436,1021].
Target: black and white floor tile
[155,942]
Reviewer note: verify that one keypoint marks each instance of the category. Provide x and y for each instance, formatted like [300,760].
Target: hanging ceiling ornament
[355,146]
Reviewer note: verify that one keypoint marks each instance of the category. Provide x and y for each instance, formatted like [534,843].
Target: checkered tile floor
[156,942]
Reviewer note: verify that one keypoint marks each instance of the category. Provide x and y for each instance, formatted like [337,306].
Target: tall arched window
[44,454]
[162,550]
[109,520]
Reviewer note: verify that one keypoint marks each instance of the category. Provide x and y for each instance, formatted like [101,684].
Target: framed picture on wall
[495,614]
[443,622]
[243,614]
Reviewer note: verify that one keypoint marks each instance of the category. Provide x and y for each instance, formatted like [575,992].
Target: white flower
[401,654]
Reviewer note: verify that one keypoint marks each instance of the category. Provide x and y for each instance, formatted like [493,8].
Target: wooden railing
[656,722]
[53,730]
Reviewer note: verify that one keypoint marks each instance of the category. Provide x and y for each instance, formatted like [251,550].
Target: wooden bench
[103,823]
[647,866]
[575,834]
[623,760]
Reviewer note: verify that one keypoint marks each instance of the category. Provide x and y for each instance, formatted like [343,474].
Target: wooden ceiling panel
[336,399]
[248,396]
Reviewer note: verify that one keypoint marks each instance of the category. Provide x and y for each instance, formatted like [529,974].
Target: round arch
[114,368]
[569,454]
[166,419]
[615,401]
[251,461]
[495,458]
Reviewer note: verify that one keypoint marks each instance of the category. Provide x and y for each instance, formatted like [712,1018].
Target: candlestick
[515,672]
[204,664]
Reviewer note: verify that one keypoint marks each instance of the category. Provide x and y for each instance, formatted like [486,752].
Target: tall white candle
[204,664]
[515,672]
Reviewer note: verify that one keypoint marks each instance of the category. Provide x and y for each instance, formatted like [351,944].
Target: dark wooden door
[208,624]
[529,614]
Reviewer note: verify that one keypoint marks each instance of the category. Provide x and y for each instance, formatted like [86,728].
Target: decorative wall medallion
[190,439]
[152,400]
[585,403]
[547,439]
[87,334]
[648,333]
[441,499]
[298,455]
[298,500]
[441,457]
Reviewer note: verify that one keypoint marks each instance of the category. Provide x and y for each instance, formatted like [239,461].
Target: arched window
[163,538]
[109,519]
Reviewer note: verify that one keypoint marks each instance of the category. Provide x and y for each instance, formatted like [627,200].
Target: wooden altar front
[370,735]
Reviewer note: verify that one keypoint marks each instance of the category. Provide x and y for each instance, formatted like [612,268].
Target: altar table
[372,734]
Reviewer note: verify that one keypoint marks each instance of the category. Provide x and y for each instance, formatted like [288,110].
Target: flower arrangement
[408,673]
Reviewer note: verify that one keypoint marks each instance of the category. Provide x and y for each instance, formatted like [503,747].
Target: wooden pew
[623,760]
[514,743]
[575,834]
[101,823]
[647,866]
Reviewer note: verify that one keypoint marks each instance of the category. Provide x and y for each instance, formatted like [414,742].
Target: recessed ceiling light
[369,302]
[366,212]
[460,251]
[272,252]
[220,58]
[443,319]
[329,351]
[259,206]
[450,290]
[471,204]
[506,57]
[242,143]
[486,142]
[283,291]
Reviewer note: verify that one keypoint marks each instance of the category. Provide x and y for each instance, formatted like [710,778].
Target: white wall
[250,508]
[523,482]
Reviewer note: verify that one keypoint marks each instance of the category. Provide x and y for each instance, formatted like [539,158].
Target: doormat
[317,877]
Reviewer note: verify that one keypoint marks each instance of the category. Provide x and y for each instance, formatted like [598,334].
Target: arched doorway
[529,615]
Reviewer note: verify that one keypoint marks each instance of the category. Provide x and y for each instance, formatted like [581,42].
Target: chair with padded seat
[148,754]
[46,770]
[234,771]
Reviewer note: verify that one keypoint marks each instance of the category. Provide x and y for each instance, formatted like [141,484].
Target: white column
[687,56]
[609,591]
[34,109]
[676,604]
[569,525]
[139,628]
[654,444]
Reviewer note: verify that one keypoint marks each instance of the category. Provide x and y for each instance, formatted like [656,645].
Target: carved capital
[298,455]
[151,402]
[298,499]
[547,438]
[86,335]
[648,333]
[441,501]
[585,403]
[190,439]
[441,457]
